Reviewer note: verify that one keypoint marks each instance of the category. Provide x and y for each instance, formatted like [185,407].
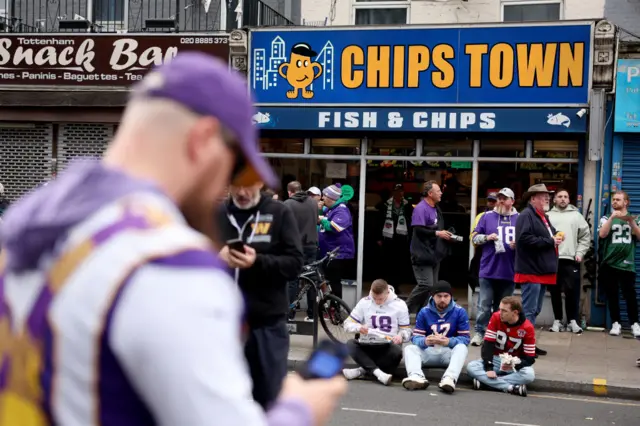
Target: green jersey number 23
[620,233]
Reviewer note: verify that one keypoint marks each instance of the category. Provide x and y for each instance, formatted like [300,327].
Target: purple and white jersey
[498,266]
[129,319]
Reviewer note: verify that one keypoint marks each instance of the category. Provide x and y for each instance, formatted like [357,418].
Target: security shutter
[631,185]
[25,157]
[82,140]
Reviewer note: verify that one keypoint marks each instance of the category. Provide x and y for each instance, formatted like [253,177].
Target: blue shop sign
[627,116]
[497,64]
[516,120]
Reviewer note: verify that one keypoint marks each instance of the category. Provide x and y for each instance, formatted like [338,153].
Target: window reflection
[502,148]
[335,146]
[278,145]
[400,147]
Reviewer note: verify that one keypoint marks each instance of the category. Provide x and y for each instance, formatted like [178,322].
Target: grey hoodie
[577,236]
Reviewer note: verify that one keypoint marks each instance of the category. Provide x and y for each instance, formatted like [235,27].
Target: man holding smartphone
[264,248]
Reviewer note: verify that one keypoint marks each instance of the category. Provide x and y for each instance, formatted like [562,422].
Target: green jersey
[619,248]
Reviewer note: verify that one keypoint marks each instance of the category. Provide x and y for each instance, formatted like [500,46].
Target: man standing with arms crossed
[619,233]
[428,244]
[577,238]
[495,233]
[124,309]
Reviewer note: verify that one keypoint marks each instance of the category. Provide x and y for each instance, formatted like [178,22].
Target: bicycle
[332,310]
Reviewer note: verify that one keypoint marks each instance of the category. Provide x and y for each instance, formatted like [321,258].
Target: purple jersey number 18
[384,323]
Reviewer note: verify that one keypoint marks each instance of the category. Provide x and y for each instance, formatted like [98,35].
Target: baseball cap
[314,190]
[492,196]
[205,85]
[507,192]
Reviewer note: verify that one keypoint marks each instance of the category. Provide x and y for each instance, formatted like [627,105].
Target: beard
[201,204]
[503,210]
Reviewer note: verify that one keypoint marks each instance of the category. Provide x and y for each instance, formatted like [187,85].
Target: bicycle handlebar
[330,256]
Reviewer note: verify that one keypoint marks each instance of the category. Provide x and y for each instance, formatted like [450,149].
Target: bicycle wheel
[332,313]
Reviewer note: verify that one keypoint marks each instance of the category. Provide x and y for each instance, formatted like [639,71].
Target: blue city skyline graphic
[265,73]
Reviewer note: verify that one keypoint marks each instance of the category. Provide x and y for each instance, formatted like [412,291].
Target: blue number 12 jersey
[453,323]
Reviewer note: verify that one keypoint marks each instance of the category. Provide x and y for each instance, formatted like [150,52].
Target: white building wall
[340,12]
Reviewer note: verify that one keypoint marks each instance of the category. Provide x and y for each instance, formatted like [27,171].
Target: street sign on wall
[522,64]
[627,116]
[94,60]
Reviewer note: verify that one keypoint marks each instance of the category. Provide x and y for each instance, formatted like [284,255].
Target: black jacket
[535,248]
[426,248]
[271,230]
[487,352]
[305,212]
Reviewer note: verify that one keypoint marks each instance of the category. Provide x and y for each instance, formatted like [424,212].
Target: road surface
[371,404]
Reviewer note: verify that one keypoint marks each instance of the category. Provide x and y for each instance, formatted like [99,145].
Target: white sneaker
[353,373]
[447,384]
[415,383]
[477,339]
[574,327]
[308,319]
[616,329]
[635,329]
[556,327]
[383,377]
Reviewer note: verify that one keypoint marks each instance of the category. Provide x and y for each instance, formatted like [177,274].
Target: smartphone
[326,361]
[237,245]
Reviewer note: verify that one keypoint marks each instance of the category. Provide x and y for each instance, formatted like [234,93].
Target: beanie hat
[333,191]
[441,287]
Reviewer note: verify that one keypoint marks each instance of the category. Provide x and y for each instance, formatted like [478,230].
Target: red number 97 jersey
[518,339]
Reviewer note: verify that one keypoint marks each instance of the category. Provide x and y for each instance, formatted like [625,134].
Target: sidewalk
[592,364]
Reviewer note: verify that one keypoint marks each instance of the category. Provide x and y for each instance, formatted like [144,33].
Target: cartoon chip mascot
[300,70]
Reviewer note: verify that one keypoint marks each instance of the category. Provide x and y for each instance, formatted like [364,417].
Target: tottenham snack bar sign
[90,60]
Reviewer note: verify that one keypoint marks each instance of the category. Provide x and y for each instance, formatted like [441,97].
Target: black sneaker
[520,390]
[476,384]
[540,351]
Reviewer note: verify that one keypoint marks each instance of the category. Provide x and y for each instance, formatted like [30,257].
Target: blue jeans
[532,300]
[310,254]
[452,359]
[491,293]
[475,369]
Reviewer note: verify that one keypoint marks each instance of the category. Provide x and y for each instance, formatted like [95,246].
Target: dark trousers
[267,350]
[309,254]
[385,357]
[613,279]
[568,281]
[426,277]
[337,270]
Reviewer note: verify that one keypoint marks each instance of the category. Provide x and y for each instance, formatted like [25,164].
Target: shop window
[386,147]
[502,148]
[555,149]
[447,148]
[381,12]
[335,146]
[526,10]
[285,146]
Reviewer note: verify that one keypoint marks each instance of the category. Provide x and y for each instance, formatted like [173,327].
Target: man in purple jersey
[113,311]
[428,244]
[495,233]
